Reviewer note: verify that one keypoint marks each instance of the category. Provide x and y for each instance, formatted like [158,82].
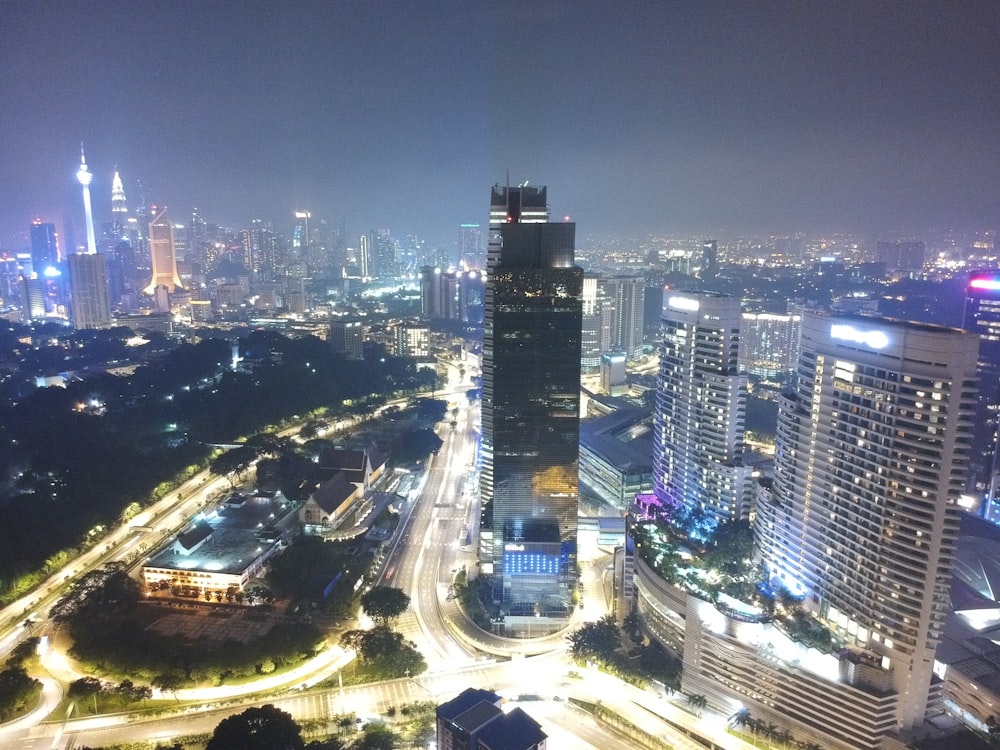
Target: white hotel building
[862,519]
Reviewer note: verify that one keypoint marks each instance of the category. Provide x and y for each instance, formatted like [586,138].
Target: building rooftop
[513,731]
[473,719]
[464,701]
[224,540]
[624,438]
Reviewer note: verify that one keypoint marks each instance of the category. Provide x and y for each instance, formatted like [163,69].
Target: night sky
[880,117]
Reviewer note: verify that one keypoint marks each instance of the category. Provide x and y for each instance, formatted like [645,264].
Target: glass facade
[531,406]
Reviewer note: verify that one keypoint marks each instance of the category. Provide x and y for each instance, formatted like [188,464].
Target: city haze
[681,117]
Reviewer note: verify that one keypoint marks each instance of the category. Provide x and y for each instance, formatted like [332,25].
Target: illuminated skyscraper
[119,206]
[872,457]
[982,316]
[383,262]
[595,335]
[85,178]
[701,409]
[300,235]
[709,260]
[364,256]
[530,409]
[161,254]
[88,278]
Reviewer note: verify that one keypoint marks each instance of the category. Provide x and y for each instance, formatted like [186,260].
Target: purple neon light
[990,283]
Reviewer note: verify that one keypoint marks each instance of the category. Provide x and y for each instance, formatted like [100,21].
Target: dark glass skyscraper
[531,406]
[44,246]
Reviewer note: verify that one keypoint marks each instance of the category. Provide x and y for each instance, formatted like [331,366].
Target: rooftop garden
[716,564]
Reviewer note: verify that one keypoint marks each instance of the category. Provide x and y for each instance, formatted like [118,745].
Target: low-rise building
[224,549]
[473,720]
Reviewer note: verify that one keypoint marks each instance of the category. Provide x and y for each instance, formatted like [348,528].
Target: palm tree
[698,702]
[993,730]
[741,718]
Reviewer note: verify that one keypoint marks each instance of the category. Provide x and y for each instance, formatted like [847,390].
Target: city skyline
[685,118]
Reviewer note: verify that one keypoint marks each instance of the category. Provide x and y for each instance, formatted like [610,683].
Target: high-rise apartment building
[364,257]
[626,298]
[347,338]
[612,317]
[163,260]
[701,408]
[901,256]
[982,317]
[530,409]
[872,457]
[595,335]
[88,279]
[769,343]
[439,296]
[412,340]
[383,261]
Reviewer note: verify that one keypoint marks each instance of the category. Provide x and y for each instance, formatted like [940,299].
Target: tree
[993,730]
[595,640]
[384,603]
[258,728]
[352,640]
[730,548]
[330,743]
[18,692]
[234,463]
[741,718]
[698,702]
[377,736]
[168,682]
[85,687]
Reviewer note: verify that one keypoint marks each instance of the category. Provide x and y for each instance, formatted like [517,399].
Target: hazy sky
[879,116]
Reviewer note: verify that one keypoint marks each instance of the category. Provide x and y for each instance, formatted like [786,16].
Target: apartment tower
[872,456]
[701,410]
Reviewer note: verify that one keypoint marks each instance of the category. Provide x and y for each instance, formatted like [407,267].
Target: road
[428,550]
[550,680]
[127,543]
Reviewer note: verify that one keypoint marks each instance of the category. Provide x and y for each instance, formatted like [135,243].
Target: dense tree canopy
[385,653]
[18,692]
[259,728]
[384,603]
[76,457]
